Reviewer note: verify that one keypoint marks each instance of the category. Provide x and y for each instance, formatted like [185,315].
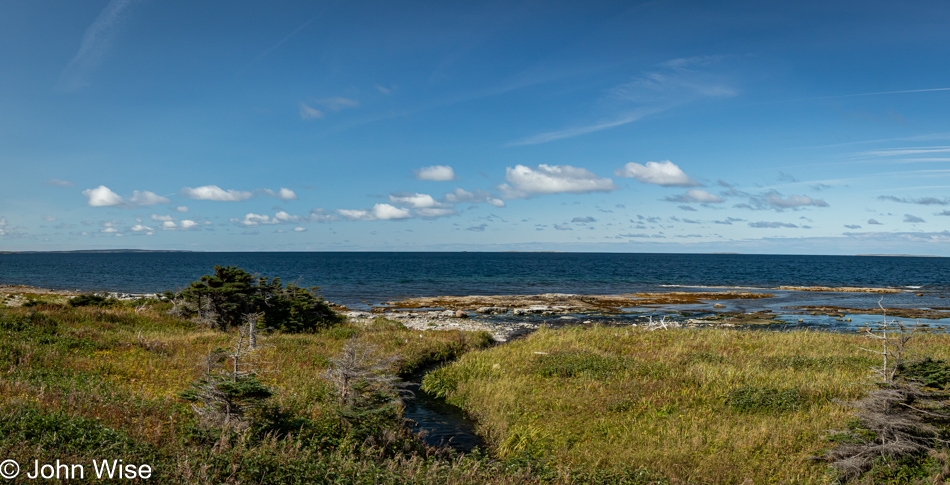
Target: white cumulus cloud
[378,212]
[282,194]
[664,173]
[552,179]
[386,211]
[145,197]
[213,192]
[188,224]
[474,197]
[438,173]
[413,200]
[251,219]
[102,196]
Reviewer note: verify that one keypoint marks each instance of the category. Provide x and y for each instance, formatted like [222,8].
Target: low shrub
[929,373]
[91,299]
[752,399]
[579,364]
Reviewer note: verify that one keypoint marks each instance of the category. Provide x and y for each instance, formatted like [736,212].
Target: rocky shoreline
[18,295]
[509,316]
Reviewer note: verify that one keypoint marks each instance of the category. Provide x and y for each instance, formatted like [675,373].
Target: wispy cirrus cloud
[897,152]
[674,83]
[309,113]
[275,46]
[311,110]
[772,225]
[919,200]
[695,196]
[94,47]
[875,93]
[624,119]
[773,200]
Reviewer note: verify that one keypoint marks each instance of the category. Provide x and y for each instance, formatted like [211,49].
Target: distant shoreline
[134,251]
[105,251]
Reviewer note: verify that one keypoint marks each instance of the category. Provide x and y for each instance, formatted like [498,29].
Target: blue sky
[664,126]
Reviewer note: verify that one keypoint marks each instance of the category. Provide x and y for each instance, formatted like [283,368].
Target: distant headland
[93,251]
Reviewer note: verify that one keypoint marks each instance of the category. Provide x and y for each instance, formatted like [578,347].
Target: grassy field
[78,384]
[594,405]
[703,406]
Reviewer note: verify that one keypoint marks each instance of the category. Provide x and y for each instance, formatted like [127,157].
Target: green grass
[695,405]
[83,383]
[597,405]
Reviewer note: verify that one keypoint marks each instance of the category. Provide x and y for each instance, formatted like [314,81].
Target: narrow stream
[445,424]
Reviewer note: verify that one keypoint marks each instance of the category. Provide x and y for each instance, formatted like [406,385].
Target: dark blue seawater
[373,277]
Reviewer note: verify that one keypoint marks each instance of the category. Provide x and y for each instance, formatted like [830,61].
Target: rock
[491,309]
[539,308]
[460,314]
[719,305]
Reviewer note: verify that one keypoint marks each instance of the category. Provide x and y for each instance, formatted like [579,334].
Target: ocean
[359,279]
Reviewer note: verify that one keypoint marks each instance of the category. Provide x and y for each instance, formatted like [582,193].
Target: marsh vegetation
[319,402]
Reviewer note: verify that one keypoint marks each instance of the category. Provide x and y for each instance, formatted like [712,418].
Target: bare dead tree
[894,337]
[250,320]
[359,369]
[230,385]
[662,323]
[181,308]
[898,417]
[142,307]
